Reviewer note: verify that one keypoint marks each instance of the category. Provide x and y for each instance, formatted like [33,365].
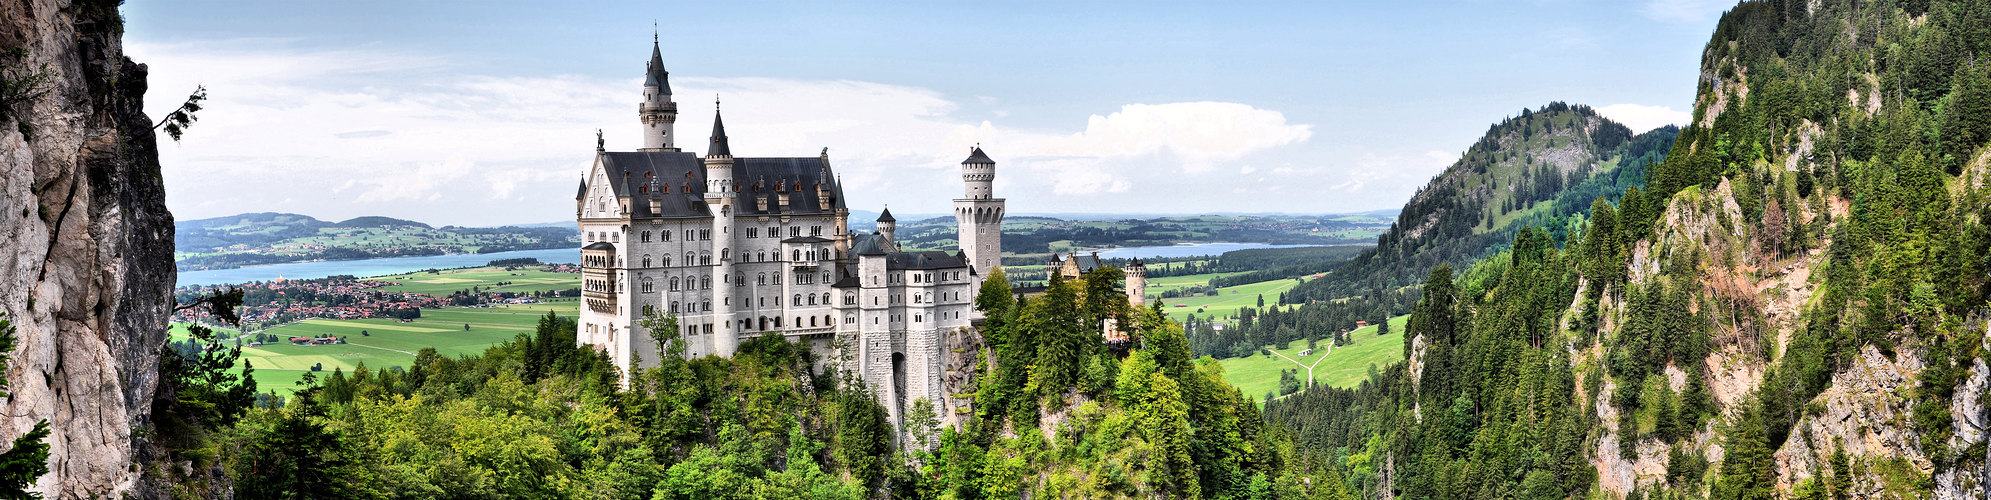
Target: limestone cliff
[86,270]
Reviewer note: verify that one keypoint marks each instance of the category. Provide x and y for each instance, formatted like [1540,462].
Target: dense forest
[1727,333]
[1057,413]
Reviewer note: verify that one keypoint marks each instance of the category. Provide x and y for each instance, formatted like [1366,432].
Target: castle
[736,247]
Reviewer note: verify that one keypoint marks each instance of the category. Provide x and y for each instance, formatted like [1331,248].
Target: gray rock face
[86,270]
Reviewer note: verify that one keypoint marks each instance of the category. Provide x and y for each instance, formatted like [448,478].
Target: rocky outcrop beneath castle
[86,273]
[960,358]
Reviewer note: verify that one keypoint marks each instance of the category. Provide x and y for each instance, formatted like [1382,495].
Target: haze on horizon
[449,113]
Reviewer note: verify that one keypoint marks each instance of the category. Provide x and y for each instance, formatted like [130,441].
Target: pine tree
[27,459]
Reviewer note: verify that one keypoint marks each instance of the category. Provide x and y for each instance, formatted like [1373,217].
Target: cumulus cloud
[1642,118]
[1692,11]
[1201,134]
[342,133]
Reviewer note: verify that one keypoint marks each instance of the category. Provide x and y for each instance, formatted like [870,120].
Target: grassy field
[450,281]
[1344,366]
[1227,300]
[388,342]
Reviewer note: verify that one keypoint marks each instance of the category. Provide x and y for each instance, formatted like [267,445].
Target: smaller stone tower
[719,199]
[1137,283]
[658,111]
[888,226]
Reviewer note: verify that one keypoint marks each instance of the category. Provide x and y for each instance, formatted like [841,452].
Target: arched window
[648,285]
[646,260]
[673,283]
[690,259]
[812,299]
[705,282]
[761,279]
[705,258]
[849,299]
[674,307]
[826,298]
[706,306]
[798,256]
[666,235]
[646,236]
[725,253]
[760,256]
[798,299]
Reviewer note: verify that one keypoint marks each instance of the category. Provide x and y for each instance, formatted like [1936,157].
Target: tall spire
[719,147]
[655,75]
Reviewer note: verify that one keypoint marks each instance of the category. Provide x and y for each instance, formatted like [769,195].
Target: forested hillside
[1536,169]
[1540,169]
[1794,308]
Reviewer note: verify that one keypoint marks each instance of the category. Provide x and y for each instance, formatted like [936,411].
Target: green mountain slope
[1794,309]
[1536,169]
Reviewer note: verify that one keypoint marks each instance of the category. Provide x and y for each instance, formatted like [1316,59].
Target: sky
[485,113]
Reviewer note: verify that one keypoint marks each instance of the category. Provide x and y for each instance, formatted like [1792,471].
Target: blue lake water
[368,267]
[1184,250]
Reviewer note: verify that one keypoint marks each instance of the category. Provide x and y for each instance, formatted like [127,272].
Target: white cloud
[1692,11]
[343,133]
[1201,134]
[1642,118]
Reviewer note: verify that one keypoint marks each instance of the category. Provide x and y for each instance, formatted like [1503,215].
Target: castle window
[812,321]
[667,258]
[704,234]
[706,307]
[850,319]
[753,232]
[649,286]
[850,299]
[666,235]
[761,279]
[615,238]
[798,299]
[725,254]
[646,260]
[919,318]
[815,230]
[705,282]
[739,279]
[812,299]
[673,283]
[690,259]
[798,256]
[705,258]
[826,298]
[674,307]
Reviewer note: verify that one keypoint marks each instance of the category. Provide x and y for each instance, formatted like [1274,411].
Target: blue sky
[483,113]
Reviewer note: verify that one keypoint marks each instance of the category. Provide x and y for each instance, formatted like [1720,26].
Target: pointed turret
[656,75]
[719,147]
[657,111]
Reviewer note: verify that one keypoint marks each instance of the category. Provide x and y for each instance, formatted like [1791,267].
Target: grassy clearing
[486,278]
[388,343]
[1345,366]
[1227,300]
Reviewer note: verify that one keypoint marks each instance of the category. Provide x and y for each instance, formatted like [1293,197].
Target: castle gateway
[740,246]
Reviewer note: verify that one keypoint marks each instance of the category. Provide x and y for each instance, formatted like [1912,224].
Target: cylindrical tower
[719,198]
[1137,282]
[979,215]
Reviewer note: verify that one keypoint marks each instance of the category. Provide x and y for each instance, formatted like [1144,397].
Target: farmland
[488,279]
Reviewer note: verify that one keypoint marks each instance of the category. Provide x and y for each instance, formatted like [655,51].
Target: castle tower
[979,214]
[658,112]
[719,197]
[1137,282]
[888,226]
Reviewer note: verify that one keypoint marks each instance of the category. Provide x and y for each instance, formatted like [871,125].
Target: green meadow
[1345,366]
[387,342]
[1227,300]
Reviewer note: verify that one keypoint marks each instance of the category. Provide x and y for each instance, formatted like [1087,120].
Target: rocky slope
[87,268]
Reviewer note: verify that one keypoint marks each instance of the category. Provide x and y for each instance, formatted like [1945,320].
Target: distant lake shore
[1186,250]
[367,267]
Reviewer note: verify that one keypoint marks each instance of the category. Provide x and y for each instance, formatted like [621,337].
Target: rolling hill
[272,238]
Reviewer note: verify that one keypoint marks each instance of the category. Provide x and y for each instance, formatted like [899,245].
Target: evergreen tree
[27,459]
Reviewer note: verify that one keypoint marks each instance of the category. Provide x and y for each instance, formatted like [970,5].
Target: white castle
[737,247]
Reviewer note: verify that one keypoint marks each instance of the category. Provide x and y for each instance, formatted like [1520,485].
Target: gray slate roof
[655,74]
[978,157]
[887,216]
[719,147]
[679,184]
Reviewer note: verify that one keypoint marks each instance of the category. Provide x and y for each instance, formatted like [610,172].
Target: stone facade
[736,247]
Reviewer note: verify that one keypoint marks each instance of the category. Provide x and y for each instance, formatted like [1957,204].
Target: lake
[367,267]
[1184,250]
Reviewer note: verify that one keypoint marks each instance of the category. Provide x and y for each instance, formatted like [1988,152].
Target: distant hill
[1027,238]
[273,237]
[1542,168]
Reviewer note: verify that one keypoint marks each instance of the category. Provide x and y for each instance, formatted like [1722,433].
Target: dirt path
[1310,369]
